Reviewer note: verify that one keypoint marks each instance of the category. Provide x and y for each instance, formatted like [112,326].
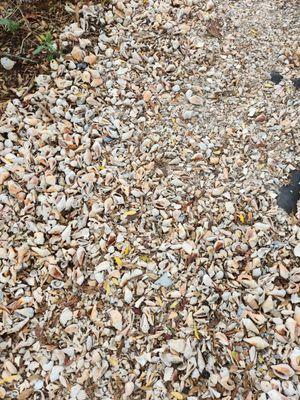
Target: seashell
[65,316]
[144,324]
[177,345]
[168,359]
[116,319]
[55,271]
[257,342]
[297,250]
[7,63]
[275,395]
[291,326]
[297,315]
[168,374]
[283,371]
[295,359]
[129,388]
[196,100]
[77,53]
[268,305]
[4,175]
[55,284]
[249,325]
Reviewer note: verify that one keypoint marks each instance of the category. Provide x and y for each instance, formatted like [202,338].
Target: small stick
[17,57]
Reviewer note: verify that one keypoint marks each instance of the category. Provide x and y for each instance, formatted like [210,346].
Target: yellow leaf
[268,85]
[106,287]
[242,218]
[101,167]
[118,261]
[115,281]
[174,305]
[113,361]
[10,379]
[177,395]
[126,250]
[145,258]
[129,213]
[196,332]
[159,301]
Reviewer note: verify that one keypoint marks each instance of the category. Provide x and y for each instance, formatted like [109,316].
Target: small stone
[7,63]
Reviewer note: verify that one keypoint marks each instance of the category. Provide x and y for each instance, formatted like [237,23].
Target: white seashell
[196,100]
[168,359]
[65,316]
[257,342]
[144,324]
[249,325]
[128,295]
[268,305]
[291,326]
[265,386]
[177,345]
[275,395]
[168,374]
[230,207]
[164,280]
[116,319]
[55,373]
[27,312]
[295,359]
[7,63]
[297,250]
[283,371]
[188,247]
[129,388]
[66,234]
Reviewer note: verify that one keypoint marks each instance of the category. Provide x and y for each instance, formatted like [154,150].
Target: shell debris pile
[142,252]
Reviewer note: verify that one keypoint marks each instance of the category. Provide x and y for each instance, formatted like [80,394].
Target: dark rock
[276,77]
[296,83]
[288,198]
[295,177]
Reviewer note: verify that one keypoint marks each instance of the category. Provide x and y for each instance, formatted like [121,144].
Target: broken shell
[116,319]
[257,342]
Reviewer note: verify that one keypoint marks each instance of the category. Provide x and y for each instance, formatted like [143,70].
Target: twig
[17,57]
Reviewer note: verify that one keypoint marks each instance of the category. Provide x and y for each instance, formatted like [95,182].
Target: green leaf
[38,50]
[9,24]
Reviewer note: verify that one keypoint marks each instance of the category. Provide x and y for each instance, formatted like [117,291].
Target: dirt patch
[32,21]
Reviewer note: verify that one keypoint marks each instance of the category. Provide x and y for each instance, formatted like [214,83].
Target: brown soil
[36,17]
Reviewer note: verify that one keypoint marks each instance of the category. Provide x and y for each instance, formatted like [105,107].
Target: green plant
[46,45]
[10,25]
